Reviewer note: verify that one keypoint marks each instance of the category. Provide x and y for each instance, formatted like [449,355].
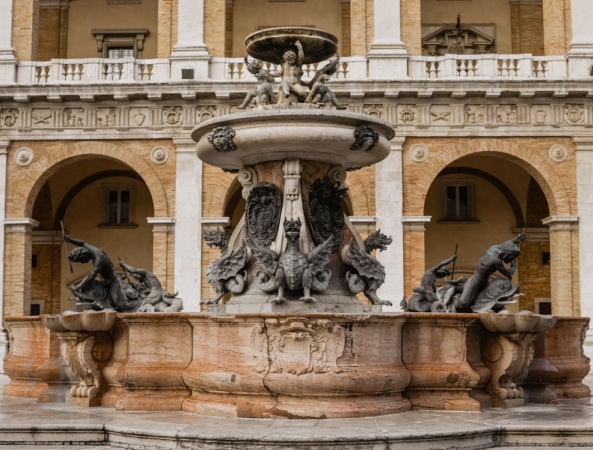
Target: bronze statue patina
[320,93]
[479,293]
[109,291]
[425,297]
[291,73]
[263,94]
[367,273]
[154,297]
[226,274]
[292,270]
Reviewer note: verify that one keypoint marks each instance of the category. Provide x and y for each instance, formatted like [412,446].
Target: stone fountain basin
[85,321]
[313,135]
[517,323]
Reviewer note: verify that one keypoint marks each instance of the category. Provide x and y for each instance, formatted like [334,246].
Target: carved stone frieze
[204,113]
[221,139]
[262,214]
[326,211]
[9,117]
[172,115]
[373,110]
[298,346]
[573,113]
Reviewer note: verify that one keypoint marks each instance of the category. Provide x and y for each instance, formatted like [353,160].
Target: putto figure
[109,291]
[263,94]
[292,270]
[320,93]
[291,73]
[221,139]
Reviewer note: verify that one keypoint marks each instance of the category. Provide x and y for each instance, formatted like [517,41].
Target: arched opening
[99,200]
[482,200]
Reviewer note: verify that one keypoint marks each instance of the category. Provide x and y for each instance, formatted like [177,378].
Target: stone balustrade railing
[448,67]
[488,66]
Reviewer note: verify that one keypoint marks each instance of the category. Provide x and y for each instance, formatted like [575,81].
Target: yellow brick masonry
[25,22]
[24,183]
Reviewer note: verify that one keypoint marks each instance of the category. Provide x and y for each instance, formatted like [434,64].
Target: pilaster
[413,249]
[389,201]
[8,61]
[190,52]
[580,54]
[3,337]
[188,226]
[387,57]
[163,229]
[564,264]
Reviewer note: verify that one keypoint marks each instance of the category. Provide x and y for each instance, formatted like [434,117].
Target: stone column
[162,240]
[584,147]
[414,255]
[188,227]
[388,56]
[3,337]
[389,201]
[8,61]
[190,52]
[580,54]
[564,263]
[17,267]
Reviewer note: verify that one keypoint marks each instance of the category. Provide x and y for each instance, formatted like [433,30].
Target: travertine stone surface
[158,349]
[435,350]
[29,349]
[564,350]
[302,366]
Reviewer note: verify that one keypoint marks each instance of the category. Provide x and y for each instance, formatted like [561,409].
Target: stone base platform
[25,424]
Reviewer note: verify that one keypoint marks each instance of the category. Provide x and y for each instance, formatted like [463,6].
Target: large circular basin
[313,135]
[270,44]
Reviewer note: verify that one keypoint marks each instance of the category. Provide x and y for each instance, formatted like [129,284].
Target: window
[36,307]
[34,261]
[543,305]
[120,52]
[458,200]
[118,207]
[545,258]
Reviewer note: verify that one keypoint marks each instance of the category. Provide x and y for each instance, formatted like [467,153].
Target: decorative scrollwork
[262,214]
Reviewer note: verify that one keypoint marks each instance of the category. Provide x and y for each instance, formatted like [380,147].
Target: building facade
[490,99]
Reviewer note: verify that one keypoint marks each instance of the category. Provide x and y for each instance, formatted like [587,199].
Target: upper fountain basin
[270,44]
[274,135]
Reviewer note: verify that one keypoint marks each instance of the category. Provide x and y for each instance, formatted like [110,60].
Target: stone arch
[533,163]
[360,198]
[34,176]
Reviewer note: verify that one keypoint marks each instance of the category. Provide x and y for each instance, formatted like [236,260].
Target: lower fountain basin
[306,134]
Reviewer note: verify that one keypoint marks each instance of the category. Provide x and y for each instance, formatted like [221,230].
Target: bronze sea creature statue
[292,270]
[226,274]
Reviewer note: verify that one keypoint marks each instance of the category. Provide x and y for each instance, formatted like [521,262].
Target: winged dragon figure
[292,270]
[227,273]
[368,273]
[320,93]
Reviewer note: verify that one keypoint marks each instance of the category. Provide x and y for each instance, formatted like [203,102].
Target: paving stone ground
[25,424]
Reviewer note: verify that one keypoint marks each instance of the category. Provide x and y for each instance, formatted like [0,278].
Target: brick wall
[214,27]
[52,34]
[346,24]
[25,22]
[533,276]
[527,28]
[411,26]
[45,278]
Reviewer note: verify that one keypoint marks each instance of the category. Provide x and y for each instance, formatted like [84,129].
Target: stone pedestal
[56,371]
[435,349]
[305,366]
[540,375]
[29,349]
[564,350]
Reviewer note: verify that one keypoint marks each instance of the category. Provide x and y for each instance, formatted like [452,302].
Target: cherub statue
[320,93]
[493,261]
[227,273]
[263,94]
[425,296]
[367,274]
[292,270]
[291,73]
[155,298]
[108,292]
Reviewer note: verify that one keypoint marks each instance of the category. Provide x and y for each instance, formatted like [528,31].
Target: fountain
[286,335]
